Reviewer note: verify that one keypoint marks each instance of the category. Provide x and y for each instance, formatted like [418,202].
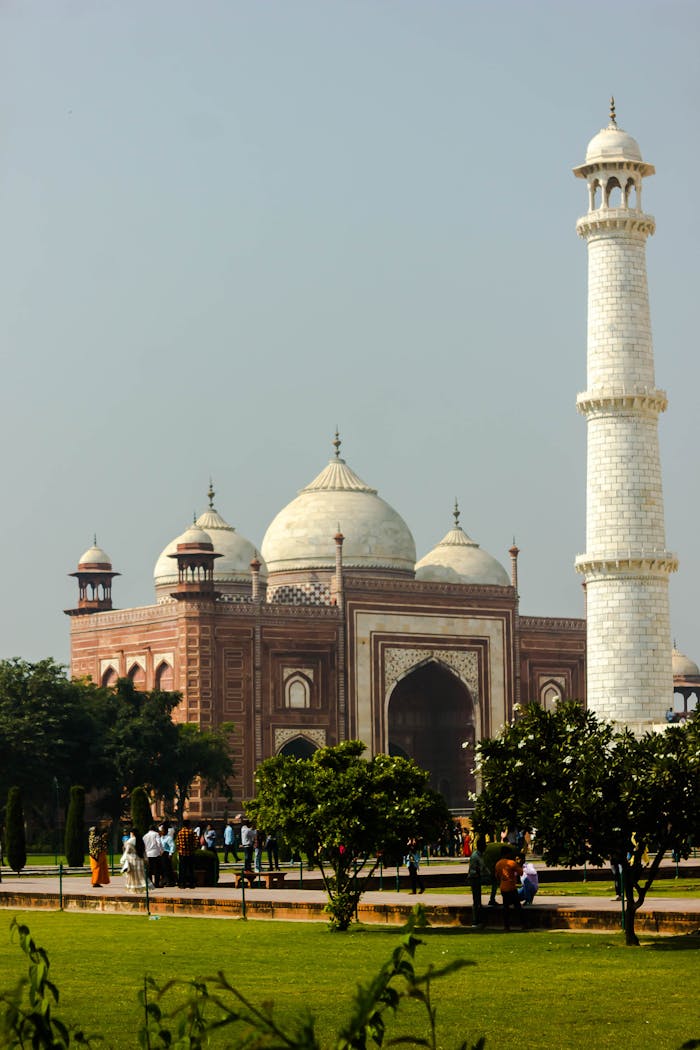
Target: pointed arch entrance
[298,747]
[430,716]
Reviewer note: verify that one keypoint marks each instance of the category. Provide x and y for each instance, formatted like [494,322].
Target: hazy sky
[226,227]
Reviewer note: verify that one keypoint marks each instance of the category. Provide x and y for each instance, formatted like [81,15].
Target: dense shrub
[15,842]
[206,861]
[141,815]
[74,840]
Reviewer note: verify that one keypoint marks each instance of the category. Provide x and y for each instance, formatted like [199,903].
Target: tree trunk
[631,939]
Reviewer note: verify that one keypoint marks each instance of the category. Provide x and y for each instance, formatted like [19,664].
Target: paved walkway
[659,914]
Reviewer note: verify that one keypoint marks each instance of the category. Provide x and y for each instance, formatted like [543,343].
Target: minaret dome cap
[95,558]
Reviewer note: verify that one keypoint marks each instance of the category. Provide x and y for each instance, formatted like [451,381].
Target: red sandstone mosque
[335,631]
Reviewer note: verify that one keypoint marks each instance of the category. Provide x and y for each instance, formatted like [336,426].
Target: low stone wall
[372,913]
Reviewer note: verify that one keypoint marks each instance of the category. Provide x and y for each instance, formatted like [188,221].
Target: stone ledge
[371,913]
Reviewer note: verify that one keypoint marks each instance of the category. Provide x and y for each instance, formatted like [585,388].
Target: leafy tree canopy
[594,793]
[203,753]
[108,739]
[47,729]
[343,809]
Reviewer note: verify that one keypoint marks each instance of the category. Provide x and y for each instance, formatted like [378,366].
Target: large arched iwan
[431,720]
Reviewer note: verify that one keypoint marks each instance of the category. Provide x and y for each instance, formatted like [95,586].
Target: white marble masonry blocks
[626,567]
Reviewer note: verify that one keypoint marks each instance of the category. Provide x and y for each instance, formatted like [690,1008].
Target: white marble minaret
[626,565]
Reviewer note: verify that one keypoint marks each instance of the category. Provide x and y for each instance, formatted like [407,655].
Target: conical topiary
[74,841]
[15,840]
[141,816]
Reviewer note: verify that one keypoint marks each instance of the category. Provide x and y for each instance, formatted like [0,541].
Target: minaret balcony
[609,220]
[618,401]
[629,562]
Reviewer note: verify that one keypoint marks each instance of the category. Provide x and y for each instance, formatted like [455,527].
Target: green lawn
[534,990]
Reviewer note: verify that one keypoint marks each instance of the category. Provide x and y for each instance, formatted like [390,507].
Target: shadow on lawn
[686,942]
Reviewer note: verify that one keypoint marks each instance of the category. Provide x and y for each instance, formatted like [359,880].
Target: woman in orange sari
[97,848]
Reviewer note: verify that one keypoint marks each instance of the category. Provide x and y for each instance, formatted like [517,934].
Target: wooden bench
[245,876]
[272,880]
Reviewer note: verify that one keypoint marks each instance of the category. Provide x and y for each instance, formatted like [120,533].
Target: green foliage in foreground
[212,1004]
[542,989]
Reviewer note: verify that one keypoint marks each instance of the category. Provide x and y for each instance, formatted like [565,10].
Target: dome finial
[613,119]
[194,517]
[211,494]
[94,539]
[455,513]
[336,443]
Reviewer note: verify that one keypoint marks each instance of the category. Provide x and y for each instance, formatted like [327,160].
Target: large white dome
[458,559]
[301,536]
[236,553]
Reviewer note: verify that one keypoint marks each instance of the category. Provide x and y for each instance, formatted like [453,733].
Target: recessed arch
[164,677]
[551,693]
[432,718]
[297,691]
[109,678]
[137,676]
[298,747]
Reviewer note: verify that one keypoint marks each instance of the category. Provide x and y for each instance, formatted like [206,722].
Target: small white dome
[612,143]
[193,537]
[683,666]
[95,557]
[301,536]
[458,559]
[233,567]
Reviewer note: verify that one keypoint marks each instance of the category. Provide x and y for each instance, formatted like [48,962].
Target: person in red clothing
[186,842]
[508,874]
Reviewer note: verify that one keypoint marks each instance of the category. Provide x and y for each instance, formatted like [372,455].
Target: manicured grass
[660,888]
[534,990]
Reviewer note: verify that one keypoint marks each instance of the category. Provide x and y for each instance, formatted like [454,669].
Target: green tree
[205,754]
[74,840]
[15,843]
[139,740]
[47,730]
[141,813]
[593,792]
[344,811]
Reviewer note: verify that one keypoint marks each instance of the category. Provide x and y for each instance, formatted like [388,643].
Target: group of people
[511,873]
[253,842]
[149,858]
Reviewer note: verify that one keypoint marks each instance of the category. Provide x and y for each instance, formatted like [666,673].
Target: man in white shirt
[248,844]
[154,852]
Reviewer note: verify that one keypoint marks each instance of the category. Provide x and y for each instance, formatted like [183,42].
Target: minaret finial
[613,119]
[94,539]
[336,443]
[194,517]
[455,513]
[211,494]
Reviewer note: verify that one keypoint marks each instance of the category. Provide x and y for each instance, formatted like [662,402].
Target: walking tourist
[508,872]
[475,876]
[98,844]
[154,852]
[412,862]
[186,842]
[132,864]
